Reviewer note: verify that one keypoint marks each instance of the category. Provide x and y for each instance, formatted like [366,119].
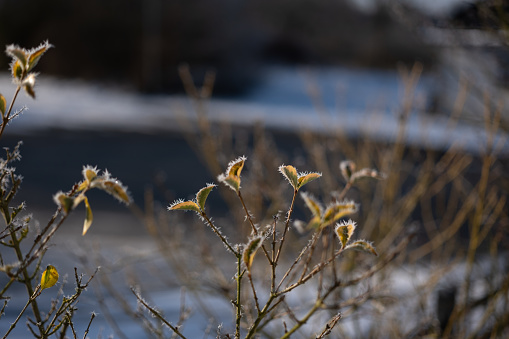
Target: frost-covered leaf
[305,178]
[367,173]
[36,54]
[290,173]
[17,53]
[250,250]
[117,190]
[49,277]
[184,206]
[63,201]
[202,195]
[89,217]
[16,70]
[28,84]
[235,167]
[347,167]
[344,231]
[231,177]
[89,173]
[363,245]
[314,206]
[338,210]
[3,104]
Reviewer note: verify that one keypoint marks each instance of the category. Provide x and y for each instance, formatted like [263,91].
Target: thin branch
[157,314]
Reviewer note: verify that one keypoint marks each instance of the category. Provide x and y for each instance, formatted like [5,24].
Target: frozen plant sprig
[92,179]
[323,217]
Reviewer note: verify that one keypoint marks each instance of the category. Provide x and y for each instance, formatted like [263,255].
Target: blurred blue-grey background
[109,94]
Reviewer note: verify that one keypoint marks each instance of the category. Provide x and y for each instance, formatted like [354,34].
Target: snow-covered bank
[359,103]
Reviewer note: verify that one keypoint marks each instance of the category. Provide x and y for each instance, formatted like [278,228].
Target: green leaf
[202,195]
[314,206]
[28,84]
[64,201]
[36,54]
[338,210]
[231,177]
[17,53]
[89,173]
[363,245]
[306,178]
[49,277]
[115,188]
[344,232]
[89,217]
[290,173]
[17,70]
[3,104]
[185,206]
[250,251]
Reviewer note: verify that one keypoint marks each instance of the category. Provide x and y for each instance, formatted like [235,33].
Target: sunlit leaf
[306,178]
[28,85]
[16,70]
[49,277]
[235,167]
[202,195]
[231,177]
[90,173]
[185,206]
[314,206]
[88,217]
[3,104]
[250,251]
[367,173]
[338,210]
[363,245]
[17,53]
[115,188]
[64,201]
[36,54]
[344,231]
[290,173]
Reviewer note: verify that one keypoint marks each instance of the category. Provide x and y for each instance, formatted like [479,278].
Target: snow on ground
[356,102]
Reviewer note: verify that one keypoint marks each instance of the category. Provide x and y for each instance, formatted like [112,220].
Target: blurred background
[115,66]
[139,87]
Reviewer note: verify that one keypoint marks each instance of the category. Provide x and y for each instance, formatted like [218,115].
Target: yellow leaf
[250,251]
[89,173]
[18,54]
[363,245]
[3,104]
[306,178]
[185,206]
[290,173]
[88,217]
[36,54]
[17,70]
[49,277]
[344,231]
[338,210]
[117,190]
[231,177]
[236,167]
[313,204]
[64,201]
[202,195]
